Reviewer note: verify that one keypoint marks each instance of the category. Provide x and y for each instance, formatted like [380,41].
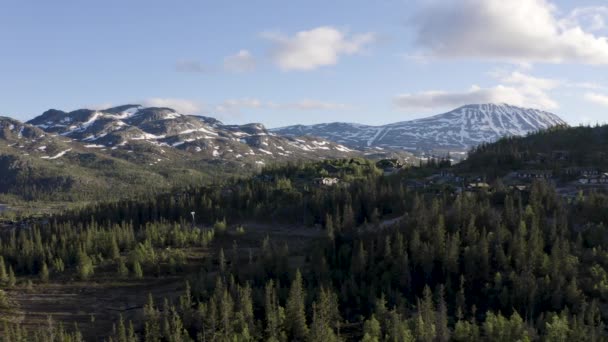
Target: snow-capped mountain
[457,130]
[158,130]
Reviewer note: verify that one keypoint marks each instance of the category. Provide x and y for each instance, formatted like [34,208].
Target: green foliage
[501,329]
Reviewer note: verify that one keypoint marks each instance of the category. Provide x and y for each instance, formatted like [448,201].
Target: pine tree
[85,266]
[114,250]
[295,314]
[320,329]
[3,273]
[443,332]
[426,329]
[274,313]
[398,330]
[122,269]
[558,329]
[466,332]
[137,270]
[44,273]
[12,280]
[151,321]
[222,262]
[371,330]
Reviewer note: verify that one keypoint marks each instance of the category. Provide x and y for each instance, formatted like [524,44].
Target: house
[447,174]
[389,166]
[330,168]
[445,177]
[534,174]
[560,155]
[594,179]
[264,178]
[590,172]
[520,187]
[384,163]
[328,181]
[413,184]
[478,186]
[538,158]
[582,171]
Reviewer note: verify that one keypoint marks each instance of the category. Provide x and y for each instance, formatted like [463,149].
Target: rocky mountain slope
[162,130]
[457,130]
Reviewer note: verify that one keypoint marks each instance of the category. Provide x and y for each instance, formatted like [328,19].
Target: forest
[277,257]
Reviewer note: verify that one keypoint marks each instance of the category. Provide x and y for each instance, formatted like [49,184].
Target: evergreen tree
[295,310]
[44,273]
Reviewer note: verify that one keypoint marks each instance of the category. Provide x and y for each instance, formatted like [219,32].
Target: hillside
[557,148]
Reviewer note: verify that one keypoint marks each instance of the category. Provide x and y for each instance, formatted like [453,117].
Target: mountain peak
[456,130]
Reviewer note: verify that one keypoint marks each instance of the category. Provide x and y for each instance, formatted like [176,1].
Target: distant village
[569,180]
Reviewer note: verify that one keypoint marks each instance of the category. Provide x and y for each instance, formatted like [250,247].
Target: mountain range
[132,149]
[457,130]
[159,130]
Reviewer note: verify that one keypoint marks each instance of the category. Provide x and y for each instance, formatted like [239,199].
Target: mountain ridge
[460,129]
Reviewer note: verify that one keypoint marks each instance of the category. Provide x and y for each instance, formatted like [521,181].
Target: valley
[260,245]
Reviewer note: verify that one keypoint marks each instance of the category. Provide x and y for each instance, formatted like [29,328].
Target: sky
[302,62]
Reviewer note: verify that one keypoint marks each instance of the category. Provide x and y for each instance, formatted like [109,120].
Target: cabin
[534,174]
[327,181]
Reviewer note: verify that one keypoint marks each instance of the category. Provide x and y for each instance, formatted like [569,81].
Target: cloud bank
[519,31]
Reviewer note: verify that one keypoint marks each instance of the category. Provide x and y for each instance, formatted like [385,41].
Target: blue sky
[287,62]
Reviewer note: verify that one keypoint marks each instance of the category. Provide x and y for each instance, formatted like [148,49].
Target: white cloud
[242,61]
[187,65]
[98,106]
[321,46]
[180,105]
[518,31]
[517,77]
[591,18]
[236,105]
[312,105]
[597,98]
[517,89]
[586,85]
